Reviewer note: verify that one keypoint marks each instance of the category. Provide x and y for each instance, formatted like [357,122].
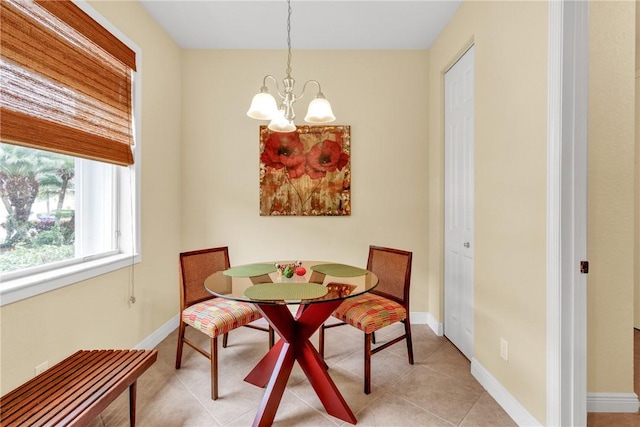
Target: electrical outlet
[41,367]
[504,349]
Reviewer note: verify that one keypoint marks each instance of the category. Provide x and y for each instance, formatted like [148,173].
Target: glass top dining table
[316,281]
[318,291]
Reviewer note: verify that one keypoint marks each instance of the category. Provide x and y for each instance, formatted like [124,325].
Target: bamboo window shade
[66,82]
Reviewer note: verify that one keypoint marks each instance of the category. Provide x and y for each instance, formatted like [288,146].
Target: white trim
[510,404]
[553,212]
[575,214]
[26,287]
[566,212]
[436,327]
[426,318]
[418,318]
[613,402]
[159,335]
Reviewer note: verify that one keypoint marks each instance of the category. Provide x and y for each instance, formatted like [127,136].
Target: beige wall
[95,313]
[510,187]
[611,196]
[380,94]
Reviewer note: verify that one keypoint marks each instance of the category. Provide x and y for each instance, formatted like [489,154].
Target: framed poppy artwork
[306,172]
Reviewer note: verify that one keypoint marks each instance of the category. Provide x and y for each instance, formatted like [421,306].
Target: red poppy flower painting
[306,172]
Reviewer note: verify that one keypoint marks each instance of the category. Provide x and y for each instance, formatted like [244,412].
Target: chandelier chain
[282,115]
[289,38]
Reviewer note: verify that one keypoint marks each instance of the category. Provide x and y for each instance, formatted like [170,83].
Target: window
[68,180]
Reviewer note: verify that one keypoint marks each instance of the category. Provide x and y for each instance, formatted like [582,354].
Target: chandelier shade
[265,107]
[319,110]
[279,123]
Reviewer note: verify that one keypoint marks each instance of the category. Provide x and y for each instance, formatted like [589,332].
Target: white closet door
[459,201]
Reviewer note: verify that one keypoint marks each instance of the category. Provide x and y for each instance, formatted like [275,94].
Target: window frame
[129,183]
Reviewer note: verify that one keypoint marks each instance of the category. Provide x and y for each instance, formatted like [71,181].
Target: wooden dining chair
[386,304]
[207,314]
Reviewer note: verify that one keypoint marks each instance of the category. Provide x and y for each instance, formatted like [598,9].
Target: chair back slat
[393,268]
[195,267]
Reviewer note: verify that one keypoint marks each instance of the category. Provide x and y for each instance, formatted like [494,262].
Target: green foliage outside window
[28,178]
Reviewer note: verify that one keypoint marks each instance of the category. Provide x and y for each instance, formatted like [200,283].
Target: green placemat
[285,291]
[250,270]
[339,270]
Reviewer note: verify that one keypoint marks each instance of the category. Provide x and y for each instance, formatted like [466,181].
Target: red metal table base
[275,367]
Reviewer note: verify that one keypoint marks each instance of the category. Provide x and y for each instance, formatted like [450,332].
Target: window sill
[26,287]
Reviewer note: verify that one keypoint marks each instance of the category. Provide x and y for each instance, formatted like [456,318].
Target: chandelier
[264,107]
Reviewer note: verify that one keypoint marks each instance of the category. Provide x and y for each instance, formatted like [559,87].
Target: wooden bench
[76,390]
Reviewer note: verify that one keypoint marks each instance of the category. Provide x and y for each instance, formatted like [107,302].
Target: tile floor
[438,390]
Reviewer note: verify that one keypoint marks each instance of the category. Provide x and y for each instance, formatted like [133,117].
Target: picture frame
[306,172]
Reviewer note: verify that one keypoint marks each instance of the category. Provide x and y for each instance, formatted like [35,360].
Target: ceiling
[324,24]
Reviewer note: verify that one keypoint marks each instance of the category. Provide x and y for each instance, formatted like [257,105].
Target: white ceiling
[315,24]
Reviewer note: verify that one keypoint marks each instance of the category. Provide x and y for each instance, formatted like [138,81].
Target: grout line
[427,411]
[472,406]
[196,397]
[369,404]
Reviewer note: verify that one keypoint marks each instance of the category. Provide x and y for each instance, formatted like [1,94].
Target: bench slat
[83,387]
[108,389]
[54,390]
[35,387]
[77,389]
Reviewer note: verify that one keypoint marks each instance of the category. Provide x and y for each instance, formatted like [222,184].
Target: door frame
[567,212]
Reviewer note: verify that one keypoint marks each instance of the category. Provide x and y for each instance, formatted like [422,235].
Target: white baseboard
[425,318]
[510,405]
[418,317]
[435,326]
[160,334]
[612,402]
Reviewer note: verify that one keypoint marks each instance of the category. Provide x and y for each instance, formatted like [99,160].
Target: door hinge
[584,267]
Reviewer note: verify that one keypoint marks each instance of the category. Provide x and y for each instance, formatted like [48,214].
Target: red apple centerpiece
[288,270]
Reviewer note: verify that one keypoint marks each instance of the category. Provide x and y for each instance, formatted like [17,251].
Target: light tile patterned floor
[438,390]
